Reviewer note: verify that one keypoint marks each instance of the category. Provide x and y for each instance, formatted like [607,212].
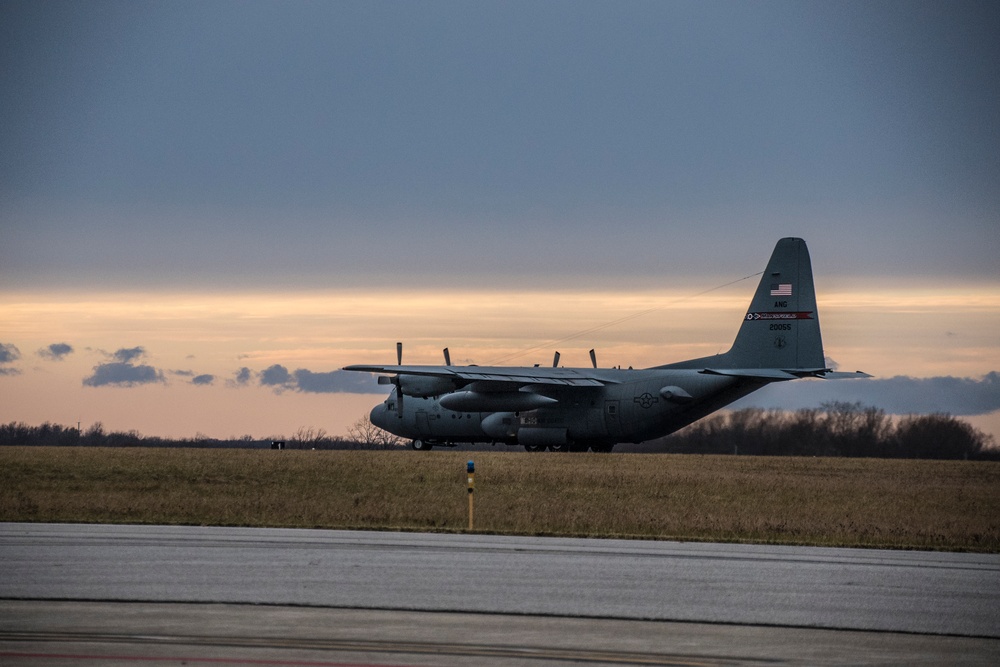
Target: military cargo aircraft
[575,409]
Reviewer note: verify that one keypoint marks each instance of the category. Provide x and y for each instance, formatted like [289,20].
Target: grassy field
[843,502]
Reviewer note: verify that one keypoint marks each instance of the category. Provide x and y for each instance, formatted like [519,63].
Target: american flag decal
[784,289]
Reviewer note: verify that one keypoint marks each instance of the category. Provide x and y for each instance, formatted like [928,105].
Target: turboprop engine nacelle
[494,401]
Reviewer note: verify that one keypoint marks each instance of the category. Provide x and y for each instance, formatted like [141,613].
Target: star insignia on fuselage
[646,400]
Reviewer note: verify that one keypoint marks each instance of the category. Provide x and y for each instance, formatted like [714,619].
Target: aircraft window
[611,410]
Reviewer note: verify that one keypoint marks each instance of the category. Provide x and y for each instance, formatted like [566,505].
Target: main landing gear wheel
[420,445]
[533,448]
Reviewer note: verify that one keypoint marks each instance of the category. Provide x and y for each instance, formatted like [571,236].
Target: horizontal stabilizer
[842,375]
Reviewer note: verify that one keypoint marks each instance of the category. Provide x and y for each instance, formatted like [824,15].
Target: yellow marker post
[471,469]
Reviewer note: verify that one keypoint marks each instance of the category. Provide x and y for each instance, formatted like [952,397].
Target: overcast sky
[312,143]
[222,147]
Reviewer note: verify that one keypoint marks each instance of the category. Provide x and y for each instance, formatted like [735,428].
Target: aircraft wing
[565,377]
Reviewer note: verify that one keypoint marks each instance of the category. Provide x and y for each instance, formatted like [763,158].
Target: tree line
[836,429]
[361,435]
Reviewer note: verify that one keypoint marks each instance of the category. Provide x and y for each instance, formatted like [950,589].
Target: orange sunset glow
[914,332]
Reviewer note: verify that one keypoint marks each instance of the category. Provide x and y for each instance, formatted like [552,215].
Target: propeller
[399,387]
[593,357]
[555,360]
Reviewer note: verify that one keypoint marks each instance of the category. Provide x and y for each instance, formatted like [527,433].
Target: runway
[513,594]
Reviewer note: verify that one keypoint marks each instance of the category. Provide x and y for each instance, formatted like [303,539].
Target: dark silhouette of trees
[365,433]
[938,437]
[837,429]
[20,434]
[54,435]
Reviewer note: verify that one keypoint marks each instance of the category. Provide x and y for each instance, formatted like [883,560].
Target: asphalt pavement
[671,602]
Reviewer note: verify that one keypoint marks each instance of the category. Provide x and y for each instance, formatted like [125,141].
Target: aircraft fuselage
[630,406]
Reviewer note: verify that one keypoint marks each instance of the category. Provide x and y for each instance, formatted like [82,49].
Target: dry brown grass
[850,502]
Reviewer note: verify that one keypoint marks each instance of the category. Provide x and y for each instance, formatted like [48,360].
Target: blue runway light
[470,467]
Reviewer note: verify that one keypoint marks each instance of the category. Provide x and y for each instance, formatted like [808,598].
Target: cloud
[241,378]
[335,382]
[201,380]
[122,374]
[896,395]
[9,353]
[310,382]
[276,376]
[56,351]
[127,355]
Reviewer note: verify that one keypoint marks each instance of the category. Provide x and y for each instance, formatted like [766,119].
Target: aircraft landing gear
[420,445]
[533,448]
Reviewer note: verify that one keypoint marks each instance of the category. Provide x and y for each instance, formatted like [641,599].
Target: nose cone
[378,415]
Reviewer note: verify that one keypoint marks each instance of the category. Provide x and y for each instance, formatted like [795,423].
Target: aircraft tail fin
[781,328]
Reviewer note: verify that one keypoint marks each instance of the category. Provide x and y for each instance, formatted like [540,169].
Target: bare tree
[309,438]
[365,433]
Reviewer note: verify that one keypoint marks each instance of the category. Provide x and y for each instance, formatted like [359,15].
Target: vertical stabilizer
[781,328]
